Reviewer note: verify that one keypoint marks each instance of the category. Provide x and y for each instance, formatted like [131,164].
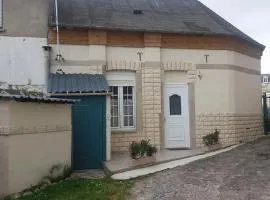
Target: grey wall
[25,18]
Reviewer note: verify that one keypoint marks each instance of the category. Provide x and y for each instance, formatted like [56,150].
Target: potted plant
[142,153]
[211,141]
[134,150]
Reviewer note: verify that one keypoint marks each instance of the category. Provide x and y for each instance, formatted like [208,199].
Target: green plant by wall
[141,149]
[57,173]
[211,139]
[135,150]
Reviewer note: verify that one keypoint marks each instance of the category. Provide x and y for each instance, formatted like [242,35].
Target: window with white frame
[265,79]
[123,97]
[1,14]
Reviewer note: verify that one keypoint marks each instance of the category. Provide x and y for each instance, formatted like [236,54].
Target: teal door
[89,133]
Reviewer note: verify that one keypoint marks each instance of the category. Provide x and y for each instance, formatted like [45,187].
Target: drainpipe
[59,58]
[47,70]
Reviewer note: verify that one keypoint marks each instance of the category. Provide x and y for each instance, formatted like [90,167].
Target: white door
[176,111]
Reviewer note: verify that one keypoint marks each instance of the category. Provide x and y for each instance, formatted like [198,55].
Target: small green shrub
[135,150]
[56,174]
[142,149]
[151,150]
[211,139]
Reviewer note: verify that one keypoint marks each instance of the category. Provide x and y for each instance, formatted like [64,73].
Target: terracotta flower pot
[144,161]
[212,147]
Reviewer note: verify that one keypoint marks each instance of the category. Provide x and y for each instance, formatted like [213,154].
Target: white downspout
[57,29]
[59,58]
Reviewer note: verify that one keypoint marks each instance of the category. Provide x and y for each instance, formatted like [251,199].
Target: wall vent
[137,12]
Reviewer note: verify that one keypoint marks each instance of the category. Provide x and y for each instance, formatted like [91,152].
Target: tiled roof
[173,16]
[77,83]
[22,98]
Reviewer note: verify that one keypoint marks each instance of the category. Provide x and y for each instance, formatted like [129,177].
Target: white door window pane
[175,105]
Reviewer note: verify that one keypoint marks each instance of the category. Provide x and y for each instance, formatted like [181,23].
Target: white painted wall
[215,57]
[22,59]
[247,92]
[124,53]
[175,77]
[195,56]
[72,52]
[214,92]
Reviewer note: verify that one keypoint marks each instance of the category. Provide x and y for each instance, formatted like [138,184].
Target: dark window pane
[114,111]
[126,121]
[131,121]
[130,90]
[114,122]
[114,107]
[114,101]
[130,100]
[130,110]
[125,90]
[115,90]
[125,110]
[175,105]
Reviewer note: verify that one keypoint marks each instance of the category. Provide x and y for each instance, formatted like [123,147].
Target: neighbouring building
[23,33]
[265,78]
[164,70]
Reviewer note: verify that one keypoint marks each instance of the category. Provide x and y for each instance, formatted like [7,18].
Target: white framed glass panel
[123,100]
[175,105]
[115,106]
[128,106]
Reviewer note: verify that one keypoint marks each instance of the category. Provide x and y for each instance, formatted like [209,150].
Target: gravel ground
[240,174]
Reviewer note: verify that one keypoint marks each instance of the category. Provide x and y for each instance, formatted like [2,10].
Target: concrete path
[167,165]
[240,174]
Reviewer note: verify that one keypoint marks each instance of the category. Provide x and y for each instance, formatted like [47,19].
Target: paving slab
[88,174]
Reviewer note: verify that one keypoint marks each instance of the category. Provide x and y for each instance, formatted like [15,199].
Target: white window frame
[265,79]
[121,80]
[1,14]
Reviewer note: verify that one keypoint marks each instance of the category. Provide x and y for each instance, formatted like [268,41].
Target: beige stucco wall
[32,155]
[175,77]
[214,92]
[247,90]
[38,137]
[229,101]
[3,166]
[4,116]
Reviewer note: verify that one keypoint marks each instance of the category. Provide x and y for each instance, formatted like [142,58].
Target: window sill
[123,130]
[2,30]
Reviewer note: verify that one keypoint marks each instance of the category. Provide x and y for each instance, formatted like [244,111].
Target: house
[164,70]
[176,70]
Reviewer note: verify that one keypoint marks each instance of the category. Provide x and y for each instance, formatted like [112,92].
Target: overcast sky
[251,17]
